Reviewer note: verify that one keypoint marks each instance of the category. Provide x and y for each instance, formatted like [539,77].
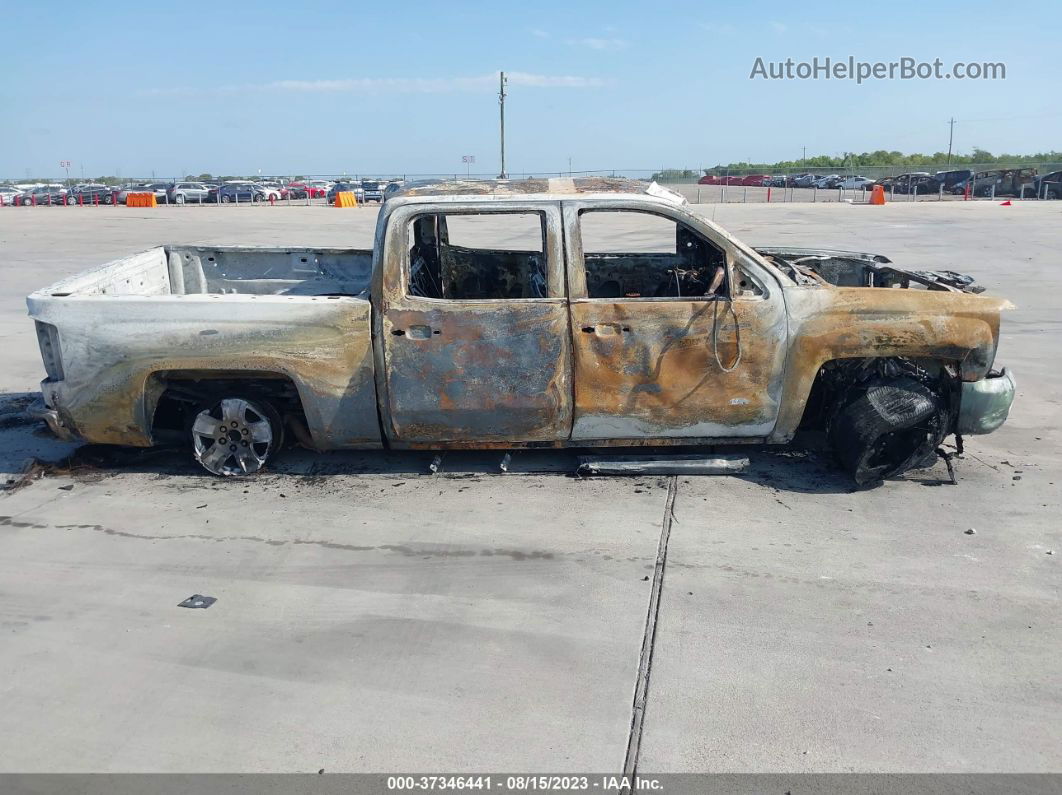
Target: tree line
[854,161]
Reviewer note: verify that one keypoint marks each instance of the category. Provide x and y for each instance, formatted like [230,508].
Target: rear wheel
[179,198]
[226,198]
[886,427]
[236,435]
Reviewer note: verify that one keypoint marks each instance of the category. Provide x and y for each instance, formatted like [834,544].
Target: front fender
[828,323]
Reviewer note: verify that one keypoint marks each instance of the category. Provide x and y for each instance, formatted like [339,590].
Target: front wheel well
[175,396]
[837,379]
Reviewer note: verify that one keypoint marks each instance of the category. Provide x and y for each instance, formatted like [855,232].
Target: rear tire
[886,427]
[236,435]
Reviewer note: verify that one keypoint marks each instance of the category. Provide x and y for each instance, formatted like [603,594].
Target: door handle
[606,329]
[416,332]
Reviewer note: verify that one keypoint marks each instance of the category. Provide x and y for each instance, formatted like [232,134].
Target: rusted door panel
[466,371]
[651,367]
[648,368]
[479,371]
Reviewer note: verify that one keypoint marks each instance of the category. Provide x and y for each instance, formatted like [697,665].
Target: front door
[476,342]
[677,333]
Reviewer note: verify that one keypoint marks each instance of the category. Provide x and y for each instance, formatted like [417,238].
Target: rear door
[474,325]
[677,332]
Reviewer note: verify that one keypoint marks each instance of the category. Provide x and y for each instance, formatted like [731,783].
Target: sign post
[66,164]
[468,160]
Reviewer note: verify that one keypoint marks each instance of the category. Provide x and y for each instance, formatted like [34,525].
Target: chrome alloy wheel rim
[233,437]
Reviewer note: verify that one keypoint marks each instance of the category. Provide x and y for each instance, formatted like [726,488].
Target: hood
[859,269]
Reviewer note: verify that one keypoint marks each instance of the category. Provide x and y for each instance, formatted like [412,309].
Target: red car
[709,179]
[298,190]
[754,180]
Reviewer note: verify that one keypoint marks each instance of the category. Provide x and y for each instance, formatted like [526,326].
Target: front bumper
[984,404]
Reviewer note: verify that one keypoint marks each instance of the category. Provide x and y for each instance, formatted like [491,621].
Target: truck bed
[226,270]
[113,337]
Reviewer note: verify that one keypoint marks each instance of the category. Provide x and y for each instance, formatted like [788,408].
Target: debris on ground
[198,601]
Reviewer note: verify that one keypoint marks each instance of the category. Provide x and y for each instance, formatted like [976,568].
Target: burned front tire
[236,435]
[887,426]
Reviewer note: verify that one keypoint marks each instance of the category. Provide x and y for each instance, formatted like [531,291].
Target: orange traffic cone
[877,195]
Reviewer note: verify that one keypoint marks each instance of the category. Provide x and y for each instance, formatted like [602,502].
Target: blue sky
[408,87]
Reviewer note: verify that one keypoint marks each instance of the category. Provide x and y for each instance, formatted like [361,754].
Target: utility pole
[804,159]
[951,136]
[501,107]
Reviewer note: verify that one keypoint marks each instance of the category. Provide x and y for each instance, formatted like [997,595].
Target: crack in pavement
[645,662]
[401,549]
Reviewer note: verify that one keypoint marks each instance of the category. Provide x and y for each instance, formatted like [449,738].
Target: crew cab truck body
[532,313]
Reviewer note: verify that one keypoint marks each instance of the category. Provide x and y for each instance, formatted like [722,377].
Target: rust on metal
[534,362]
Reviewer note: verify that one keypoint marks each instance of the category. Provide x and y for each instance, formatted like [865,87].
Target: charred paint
[489,371]
[829,323]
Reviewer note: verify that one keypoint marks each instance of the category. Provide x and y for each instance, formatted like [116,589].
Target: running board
[662,465]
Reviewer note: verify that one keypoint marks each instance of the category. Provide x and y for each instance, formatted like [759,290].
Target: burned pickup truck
[518,314]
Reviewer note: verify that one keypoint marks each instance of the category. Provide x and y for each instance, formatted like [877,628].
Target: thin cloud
[393,85]
[718,29]
[597,43]
[538,33]
[779,27]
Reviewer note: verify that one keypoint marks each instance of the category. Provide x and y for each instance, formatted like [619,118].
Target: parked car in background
[158,188]
[709,179]
[911,182]
[1049,186]
[345,187]
[8,194]
[804,180]
[43,194]
[392,188]
[919,182]
[234,192]
[827,181]
[94,193]
[999,182]
[187,192]
[274,190]
[372,190]
[949,179]
[856,183]
[753,180]
[776,181]
[124,191]
[300,190]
